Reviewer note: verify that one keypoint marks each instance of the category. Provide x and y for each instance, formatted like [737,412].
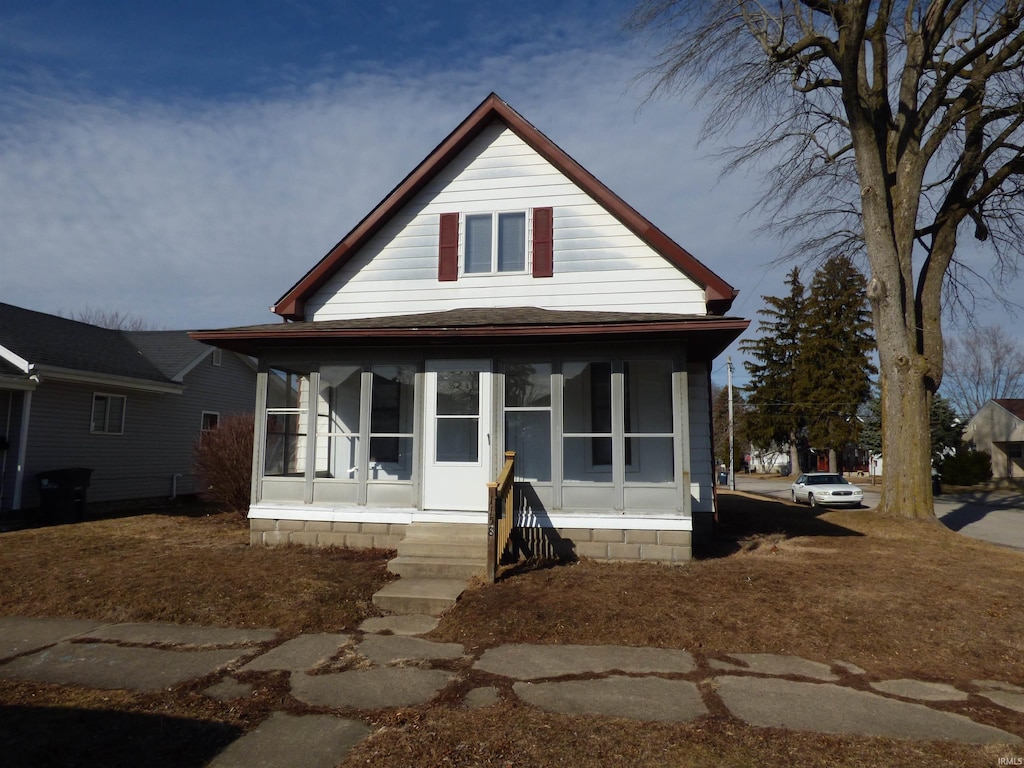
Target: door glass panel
[457,440]
[458,393]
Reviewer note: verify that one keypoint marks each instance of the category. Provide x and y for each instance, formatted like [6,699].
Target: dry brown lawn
[898,599]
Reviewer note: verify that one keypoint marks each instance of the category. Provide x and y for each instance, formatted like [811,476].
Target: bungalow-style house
[998,428]
[127,405]
[499,299]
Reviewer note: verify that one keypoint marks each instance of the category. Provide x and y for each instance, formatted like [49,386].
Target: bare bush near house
[223,462]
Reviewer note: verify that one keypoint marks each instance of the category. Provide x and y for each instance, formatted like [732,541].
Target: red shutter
[448,250]
[543,242]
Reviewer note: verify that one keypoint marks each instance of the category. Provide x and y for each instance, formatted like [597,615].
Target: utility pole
[732,438]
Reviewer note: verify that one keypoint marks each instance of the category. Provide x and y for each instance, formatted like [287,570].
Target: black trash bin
[62,493]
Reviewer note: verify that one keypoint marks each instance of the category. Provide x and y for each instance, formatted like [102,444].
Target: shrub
[223,462]
[966,468]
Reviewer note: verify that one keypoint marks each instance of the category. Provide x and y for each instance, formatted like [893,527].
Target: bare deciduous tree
[893,127]
[981,365]
[113,319]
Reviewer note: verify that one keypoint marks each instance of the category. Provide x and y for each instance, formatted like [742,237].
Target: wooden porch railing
[500,514]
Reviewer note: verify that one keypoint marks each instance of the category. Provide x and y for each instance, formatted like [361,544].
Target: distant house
[501,298]
[129,405]
[998,428]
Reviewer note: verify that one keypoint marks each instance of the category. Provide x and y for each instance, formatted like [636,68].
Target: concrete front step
[460,532]
[448,549]
[430,597]
[465,568]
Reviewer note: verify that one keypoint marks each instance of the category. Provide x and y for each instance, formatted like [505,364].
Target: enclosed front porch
[352,451]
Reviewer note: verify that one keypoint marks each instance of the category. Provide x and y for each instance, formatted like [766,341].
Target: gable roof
[719,294]
[173,353]
[1016,407]
[58,347]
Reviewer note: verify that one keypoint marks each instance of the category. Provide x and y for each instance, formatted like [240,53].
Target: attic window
[218,356]
[495,242]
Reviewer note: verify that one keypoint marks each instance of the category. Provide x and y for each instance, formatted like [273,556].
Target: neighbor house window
[287,422]
[107,414]
[209,422]
[495,242]
[218,355]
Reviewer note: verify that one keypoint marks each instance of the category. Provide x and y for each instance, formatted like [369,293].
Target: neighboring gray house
[500,299]
[998,428]
[129,405]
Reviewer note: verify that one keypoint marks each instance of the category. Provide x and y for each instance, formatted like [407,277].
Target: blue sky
[187,161]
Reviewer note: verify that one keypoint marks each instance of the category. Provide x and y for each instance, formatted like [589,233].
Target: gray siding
[160,431]
[10,428]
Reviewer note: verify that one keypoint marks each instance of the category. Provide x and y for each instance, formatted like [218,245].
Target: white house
[998,428]
[500,298]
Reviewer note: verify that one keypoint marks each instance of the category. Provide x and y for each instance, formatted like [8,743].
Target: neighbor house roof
[1016,407]
[471,326]
[59,348]
[719,294]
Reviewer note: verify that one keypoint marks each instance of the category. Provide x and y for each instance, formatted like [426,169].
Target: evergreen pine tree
[834,380]
[774,418]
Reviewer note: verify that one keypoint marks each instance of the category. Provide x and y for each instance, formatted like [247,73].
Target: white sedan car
[826,489]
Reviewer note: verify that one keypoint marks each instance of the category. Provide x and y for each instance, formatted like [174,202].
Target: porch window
[528,419]
[337,422]
[587,422]
[617,417]
[647,421]
[287,423]
[392,393]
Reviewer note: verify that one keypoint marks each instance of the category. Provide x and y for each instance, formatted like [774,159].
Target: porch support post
[259,437]
[19,473]
[681,405]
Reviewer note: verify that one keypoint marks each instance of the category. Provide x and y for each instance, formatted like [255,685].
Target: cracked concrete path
[366,672]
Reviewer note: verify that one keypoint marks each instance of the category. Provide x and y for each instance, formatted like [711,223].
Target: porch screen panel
[287,423]
[457,426]
[528,419]
[391,422]
[337,454]
[587,422]
[649,444]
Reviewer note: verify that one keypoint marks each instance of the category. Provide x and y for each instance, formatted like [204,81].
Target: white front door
[457,440]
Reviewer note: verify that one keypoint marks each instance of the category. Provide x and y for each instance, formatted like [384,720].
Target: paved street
[994,516]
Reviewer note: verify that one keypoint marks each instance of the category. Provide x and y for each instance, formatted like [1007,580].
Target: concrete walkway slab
[185,635]
[388,649]
[401,624]
[20,634]
[102,665]
[535,662]
[229,689]
[370,688]
[920,690]
[828,708]
[287,741]
[1014,701]
[639,698]
[300,653]
[776,665]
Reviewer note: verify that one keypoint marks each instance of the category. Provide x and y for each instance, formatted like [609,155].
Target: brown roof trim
[719,294]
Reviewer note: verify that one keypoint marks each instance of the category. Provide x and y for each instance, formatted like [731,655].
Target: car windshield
[826,480]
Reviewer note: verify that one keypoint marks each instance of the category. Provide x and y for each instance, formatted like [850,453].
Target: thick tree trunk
[906,444]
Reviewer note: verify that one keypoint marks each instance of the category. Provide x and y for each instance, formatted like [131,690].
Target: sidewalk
[397,669]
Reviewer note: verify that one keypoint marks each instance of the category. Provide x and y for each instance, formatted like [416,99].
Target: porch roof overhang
[706,336]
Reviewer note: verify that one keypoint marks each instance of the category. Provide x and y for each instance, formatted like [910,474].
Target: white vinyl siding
[599,263]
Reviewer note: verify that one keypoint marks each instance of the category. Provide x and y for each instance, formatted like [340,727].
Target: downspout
[174,486]
[7,447]
[19,475]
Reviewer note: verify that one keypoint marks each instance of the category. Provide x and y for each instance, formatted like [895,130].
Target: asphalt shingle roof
[49,340]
